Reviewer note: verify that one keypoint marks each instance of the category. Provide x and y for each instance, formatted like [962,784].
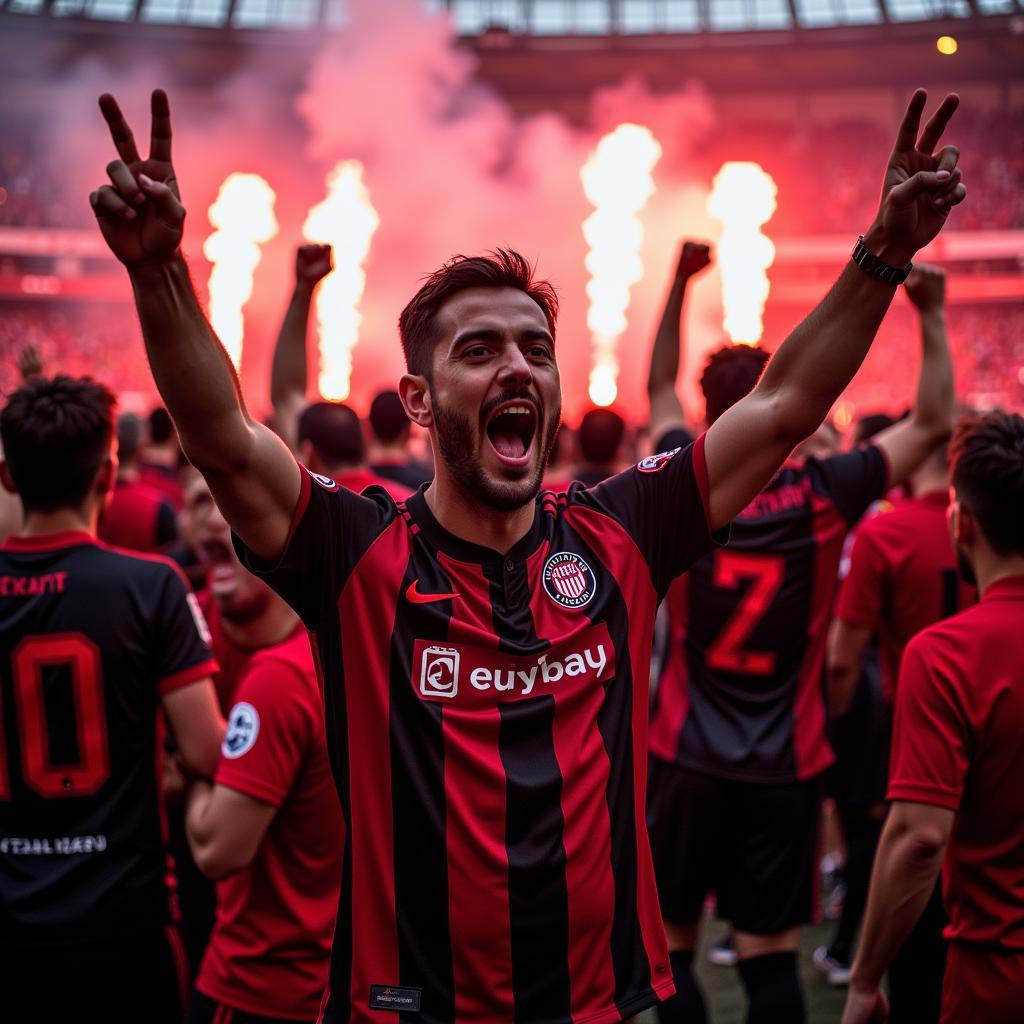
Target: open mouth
[221,567]
[511,428]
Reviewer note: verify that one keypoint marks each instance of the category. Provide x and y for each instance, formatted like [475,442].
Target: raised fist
[693,258]
[926,287]
[140,212]
[312,263]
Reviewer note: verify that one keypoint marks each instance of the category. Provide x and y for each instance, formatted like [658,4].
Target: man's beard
[964,567]
[241,609]
[455,441]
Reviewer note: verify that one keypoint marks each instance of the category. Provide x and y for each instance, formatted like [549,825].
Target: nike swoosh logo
[414,596]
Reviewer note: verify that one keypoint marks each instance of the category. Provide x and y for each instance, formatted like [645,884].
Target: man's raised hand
[922,183]
[140,212]
[926,287]
[693,258]
[312,264]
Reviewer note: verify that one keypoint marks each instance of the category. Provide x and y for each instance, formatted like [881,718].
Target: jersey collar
[48,541]
[467,551]
[1008,588]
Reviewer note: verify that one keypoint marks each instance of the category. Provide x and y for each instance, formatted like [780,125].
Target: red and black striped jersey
[741,691]
[487,726]
[90,639]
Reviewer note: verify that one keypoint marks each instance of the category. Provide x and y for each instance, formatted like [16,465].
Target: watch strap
[873,266]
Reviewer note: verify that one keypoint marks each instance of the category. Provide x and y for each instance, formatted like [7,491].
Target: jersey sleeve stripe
[192,674]
[229,776]
[700,474]
[922,793]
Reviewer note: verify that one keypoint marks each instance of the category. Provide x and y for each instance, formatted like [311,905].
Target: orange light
[617,181]
[947,45]
[243,216]
[743,199]
[346,220]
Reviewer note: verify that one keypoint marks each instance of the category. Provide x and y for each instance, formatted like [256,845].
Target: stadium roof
[535,17]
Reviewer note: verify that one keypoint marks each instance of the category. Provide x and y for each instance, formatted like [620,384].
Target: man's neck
[928,483]
[380,452]
[159,456]
[475,522]
[61,520]
[272,626]
[993,568]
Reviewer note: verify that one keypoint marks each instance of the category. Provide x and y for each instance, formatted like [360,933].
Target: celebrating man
[484,648]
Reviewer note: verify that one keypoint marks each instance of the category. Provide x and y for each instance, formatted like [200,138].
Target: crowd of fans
[489,735]
[845,153]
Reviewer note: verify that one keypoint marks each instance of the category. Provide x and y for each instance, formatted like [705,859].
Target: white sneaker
[836,971]
[722,952]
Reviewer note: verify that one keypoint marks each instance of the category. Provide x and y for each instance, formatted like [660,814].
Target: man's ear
[414,390]
[106,478]
[5,477]
[963,526]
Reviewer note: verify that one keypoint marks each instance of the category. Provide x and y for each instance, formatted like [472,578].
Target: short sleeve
[180,641]
[862,594]
[269,732]
[931,737]
[852,481]
[662,502]
[331,528]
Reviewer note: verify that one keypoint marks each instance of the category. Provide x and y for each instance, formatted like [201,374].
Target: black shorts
[755,846]
[142,977]
[204,1010]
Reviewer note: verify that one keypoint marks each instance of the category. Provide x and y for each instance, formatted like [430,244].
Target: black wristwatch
[872,265]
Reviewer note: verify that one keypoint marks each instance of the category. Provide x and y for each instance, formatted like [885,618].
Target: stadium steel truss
[536,17]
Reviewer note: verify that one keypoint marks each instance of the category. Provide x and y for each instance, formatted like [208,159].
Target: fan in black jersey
[739,719]
[94,642]
[484,649]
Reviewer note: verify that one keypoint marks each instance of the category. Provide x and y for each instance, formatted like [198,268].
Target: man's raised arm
[908,443]
[818,360]
[252,474]
[666,409]
[289,370]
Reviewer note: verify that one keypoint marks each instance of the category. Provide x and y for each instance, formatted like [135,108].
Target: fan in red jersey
[94,643]
[487,732]
[139,517]
[269,827]
[957,758]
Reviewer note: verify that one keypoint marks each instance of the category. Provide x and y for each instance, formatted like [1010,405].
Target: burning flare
[617,181]
[743,199]
[243,215]
[347,221]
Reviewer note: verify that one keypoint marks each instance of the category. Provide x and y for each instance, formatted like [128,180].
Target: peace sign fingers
[124,141]
[937,124]
[160,135]
[906,139]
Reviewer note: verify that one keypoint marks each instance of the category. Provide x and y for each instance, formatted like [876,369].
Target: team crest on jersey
[243,728]
[325,481]
[568,580]
[656,463]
